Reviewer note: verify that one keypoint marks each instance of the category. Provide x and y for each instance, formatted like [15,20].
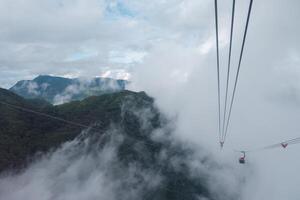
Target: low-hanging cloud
[84,87]
[106,166]
[266,109]
[179,71]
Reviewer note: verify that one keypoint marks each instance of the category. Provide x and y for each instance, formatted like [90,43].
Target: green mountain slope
[23,134]
[120,144]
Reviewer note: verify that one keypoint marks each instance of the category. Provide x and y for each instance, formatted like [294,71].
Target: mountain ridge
[58,90]
[36,133]
[128,140]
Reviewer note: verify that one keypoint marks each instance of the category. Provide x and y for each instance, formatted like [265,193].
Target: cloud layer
[115,165]
[168,46]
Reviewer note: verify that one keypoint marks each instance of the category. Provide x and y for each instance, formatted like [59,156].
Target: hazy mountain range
[58,90]
[126,153]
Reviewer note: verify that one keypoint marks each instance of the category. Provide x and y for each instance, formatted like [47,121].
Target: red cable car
[242,159]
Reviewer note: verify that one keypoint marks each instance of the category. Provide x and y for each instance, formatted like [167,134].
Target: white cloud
[126,57]
[116,74]
[179,69]
[94,166]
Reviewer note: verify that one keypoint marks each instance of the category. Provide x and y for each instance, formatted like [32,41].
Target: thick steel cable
[238,69]
[228,69]
[218,66]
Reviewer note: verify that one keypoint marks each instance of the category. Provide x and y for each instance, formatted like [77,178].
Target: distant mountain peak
[58,90]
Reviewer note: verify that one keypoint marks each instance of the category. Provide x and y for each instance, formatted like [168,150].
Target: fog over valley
[118,100]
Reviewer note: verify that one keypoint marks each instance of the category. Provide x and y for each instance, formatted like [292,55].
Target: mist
[113,165]
[266,110]
[177,66]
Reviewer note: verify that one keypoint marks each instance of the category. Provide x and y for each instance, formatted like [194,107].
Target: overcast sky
[89,38]
[168,48]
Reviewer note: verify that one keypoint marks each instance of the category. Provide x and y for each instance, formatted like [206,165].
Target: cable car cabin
[242,160]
